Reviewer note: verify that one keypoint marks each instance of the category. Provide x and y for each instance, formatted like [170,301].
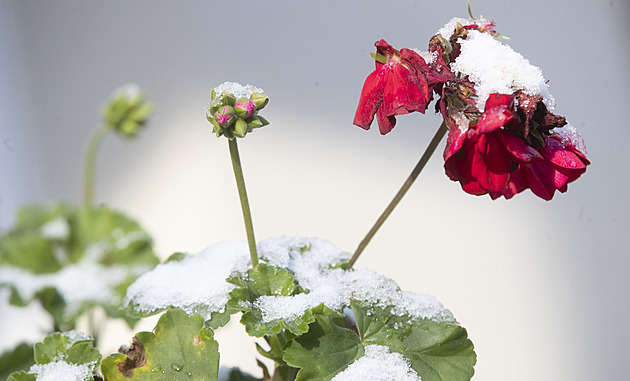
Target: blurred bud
[233,109]
[126,111]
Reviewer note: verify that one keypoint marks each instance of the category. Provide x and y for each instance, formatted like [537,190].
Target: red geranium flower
[481,157]
[492,157]
[402,83]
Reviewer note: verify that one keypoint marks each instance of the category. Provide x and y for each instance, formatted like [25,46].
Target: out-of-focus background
[542,287]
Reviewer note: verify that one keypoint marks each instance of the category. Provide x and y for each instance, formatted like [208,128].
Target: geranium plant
[321,318]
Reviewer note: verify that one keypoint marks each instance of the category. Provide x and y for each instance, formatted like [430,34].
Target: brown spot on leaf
[136,358]
[196,340]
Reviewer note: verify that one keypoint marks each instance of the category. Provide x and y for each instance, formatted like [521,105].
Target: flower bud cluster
[233,109]
[126,111]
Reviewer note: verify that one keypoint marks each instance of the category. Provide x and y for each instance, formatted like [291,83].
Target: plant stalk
[90,161]
[439,134]
[242,192]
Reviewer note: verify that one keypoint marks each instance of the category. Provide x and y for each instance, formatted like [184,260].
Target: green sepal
[379,58]
[260,100]
[253,122]
[228,99]
[240,128]
[179,348]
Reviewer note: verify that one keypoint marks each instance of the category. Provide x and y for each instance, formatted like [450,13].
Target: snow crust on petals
[379,364]
[195,284]
[61,370]
[570,137]
[496,68]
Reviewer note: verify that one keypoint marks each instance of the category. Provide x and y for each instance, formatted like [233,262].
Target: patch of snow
[61,370]
[77,283]
[495,68]
[234,88]
[335,287]
[56,229]
[379,364]
[195,284]
[75,336]
[570,137]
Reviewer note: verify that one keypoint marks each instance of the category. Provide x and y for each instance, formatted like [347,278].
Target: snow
[378,364]
[61,370]
[234,88]
[495,68]
[196,284]
[77,283]
[130,91]
[335,287]
[75,336]
[570,137]
[57,229]
[449,28]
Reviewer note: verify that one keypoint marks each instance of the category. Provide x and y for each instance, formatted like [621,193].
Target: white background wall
[542,287]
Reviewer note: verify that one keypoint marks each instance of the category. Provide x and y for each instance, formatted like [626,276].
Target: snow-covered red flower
[402,83]
[481,157]
[496,157]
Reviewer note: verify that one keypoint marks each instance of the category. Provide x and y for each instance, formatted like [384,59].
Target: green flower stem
[242,192]
[405,187]
[90,160]
[276,346]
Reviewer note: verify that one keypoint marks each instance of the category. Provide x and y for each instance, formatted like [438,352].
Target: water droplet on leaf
[177,367]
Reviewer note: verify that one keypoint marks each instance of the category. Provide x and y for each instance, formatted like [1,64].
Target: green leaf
[21,357]
[219,319]
[41,252]
[440,351]
[179,348]
[377,325]
[58,348]
[266,280]
[22,376]
[325,350]
[255,326]
[48,238]
[270,280]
